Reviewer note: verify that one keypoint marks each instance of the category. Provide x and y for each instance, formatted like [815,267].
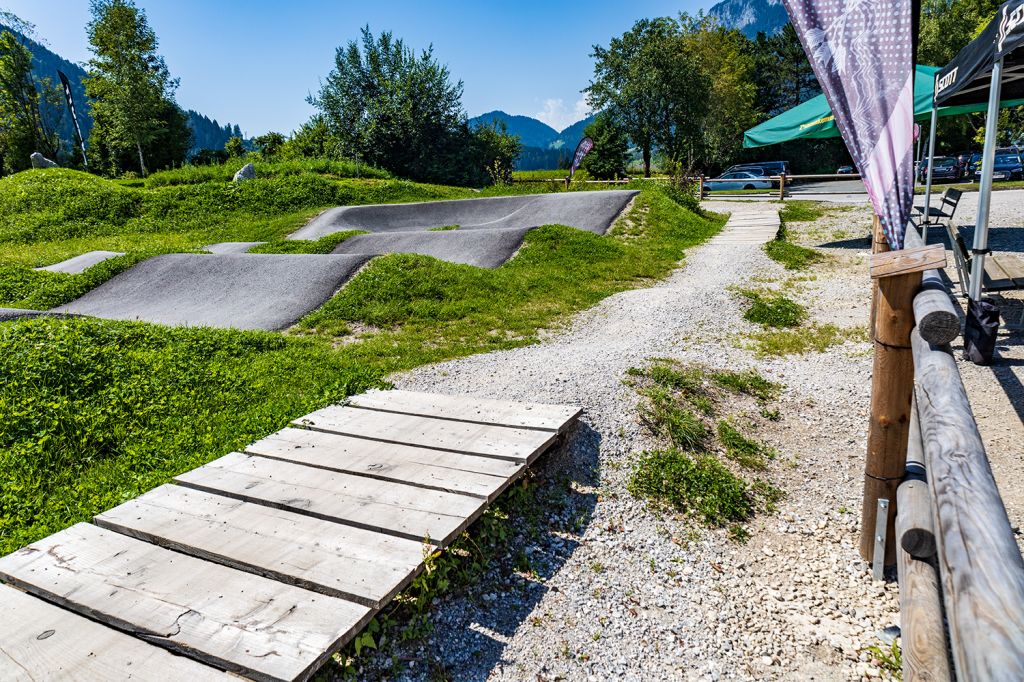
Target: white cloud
[557,115]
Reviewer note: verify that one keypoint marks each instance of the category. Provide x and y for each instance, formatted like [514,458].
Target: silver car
[740,180]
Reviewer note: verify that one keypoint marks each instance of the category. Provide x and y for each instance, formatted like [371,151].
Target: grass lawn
[95,412]
[997,185]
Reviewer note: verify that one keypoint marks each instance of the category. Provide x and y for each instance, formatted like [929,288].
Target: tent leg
[928,183]
[988,156]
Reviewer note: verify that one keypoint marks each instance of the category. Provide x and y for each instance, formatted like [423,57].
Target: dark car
[845,170]
[763,168]
[1008,165]
[945,168]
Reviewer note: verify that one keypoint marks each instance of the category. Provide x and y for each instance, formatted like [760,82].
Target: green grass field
[96,412]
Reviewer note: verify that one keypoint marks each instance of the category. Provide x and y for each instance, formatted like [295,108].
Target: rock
[40,161]
[246,172]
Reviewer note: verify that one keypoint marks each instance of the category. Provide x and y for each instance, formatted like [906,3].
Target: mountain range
[544,147]
[206,133]
[751,17]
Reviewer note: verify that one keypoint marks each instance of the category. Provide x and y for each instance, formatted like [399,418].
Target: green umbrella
[813,118]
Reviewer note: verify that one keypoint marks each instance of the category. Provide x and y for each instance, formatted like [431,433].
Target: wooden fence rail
[956,552]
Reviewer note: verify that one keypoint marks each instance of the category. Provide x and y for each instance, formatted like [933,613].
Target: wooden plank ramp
[263,563]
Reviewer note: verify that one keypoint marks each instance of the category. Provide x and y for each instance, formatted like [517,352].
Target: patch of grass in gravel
[688,476]
[747,452]
[698,483]
[802,210]
[325,244]
[814,337]
[772,310]
[792,256]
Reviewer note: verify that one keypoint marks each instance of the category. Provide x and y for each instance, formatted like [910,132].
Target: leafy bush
[194,175]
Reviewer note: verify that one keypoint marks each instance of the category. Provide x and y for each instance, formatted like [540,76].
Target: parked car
[845,170]
[945,168]
[740,180]
[763,168]
[1008,165]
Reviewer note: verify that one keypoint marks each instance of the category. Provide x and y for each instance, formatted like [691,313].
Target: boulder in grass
[246,172]
[40,161]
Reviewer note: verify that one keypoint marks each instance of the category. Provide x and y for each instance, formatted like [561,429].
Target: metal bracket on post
[881,526]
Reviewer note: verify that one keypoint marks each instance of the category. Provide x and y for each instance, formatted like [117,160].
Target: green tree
[782,72]
[610,154]
[724,58]
[313,140]
[395,109]
[24,101]
[269,144]
[234,147]
[129,86]
[648,80]
[496,151]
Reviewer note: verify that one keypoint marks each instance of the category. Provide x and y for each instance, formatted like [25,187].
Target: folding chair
[947,206]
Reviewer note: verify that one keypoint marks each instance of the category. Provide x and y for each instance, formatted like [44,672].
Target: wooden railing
[957,557]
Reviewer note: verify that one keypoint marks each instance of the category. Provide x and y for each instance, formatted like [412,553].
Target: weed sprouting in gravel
[746,452]
[791,256]
[687,475]
[772,310]
[696,483]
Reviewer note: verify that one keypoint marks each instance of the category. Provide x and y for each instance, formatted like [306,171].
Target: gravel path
[635,595]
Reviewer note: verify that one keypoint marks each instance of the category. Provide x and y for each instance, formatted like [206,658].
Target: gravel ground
[637,595]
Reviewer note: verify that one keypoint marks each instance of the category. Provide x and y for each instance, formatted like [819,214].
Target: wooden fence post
[782,186]
[700,187]
[898,277]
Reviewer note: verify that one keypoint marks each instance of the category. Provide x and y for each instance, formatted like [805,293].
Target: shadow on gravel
[472,627]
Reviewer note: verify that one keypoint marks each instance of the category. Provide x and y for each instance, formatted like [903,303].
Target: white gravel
[672,601]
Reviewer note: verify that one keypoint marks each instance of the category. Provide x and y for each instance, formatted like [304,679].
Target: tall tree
[129,86]
[393,108]
[27,105]
[723,57]
[638,78]
[610,154]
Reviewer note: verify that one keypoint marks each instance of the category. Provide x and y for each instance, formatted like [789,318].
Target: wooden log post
[782,186]
[938,320]
[914,528]
[980,565]
[898,277]
[922,632]
[700,187]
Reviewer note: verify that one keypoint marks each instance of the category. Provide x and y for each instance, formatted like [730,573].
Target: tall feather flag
[582,149]
[862,53]
[74,116]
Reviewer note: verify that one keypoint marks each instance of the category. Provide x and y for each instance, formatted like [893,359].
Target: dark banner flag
[582,149]
[74,116]
[861,52]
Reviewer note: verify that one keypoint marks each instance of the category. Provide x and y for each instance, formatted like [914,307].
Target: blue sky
[253,62]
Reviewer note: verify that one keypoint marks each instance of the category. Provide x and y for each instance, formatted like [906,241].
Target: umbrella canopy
[813,119]
[967,79]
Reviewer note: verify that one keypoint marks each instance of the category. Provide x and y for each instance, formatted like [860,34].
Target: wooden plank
[906,261]
[452,472]
[922,633]
[342,561]
[980,564]
[996,278]
[1013,268]
[521,445]
[40,641]
[475,410]
[383,506]
[259,627]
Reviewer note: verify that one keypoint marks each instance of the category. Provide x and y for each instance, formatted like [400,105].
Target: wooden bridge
[265,562]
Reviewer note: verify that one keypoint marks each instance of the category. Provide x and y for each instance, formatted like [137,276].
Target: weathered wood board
[436,469]
[476,410]
[269,630]
[383,506]
[351,563]
[521,445]
[40,641]
[265,563]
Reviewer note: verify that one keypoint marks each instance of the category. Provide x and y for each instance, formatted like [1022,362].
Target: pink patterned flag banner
[861,52]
